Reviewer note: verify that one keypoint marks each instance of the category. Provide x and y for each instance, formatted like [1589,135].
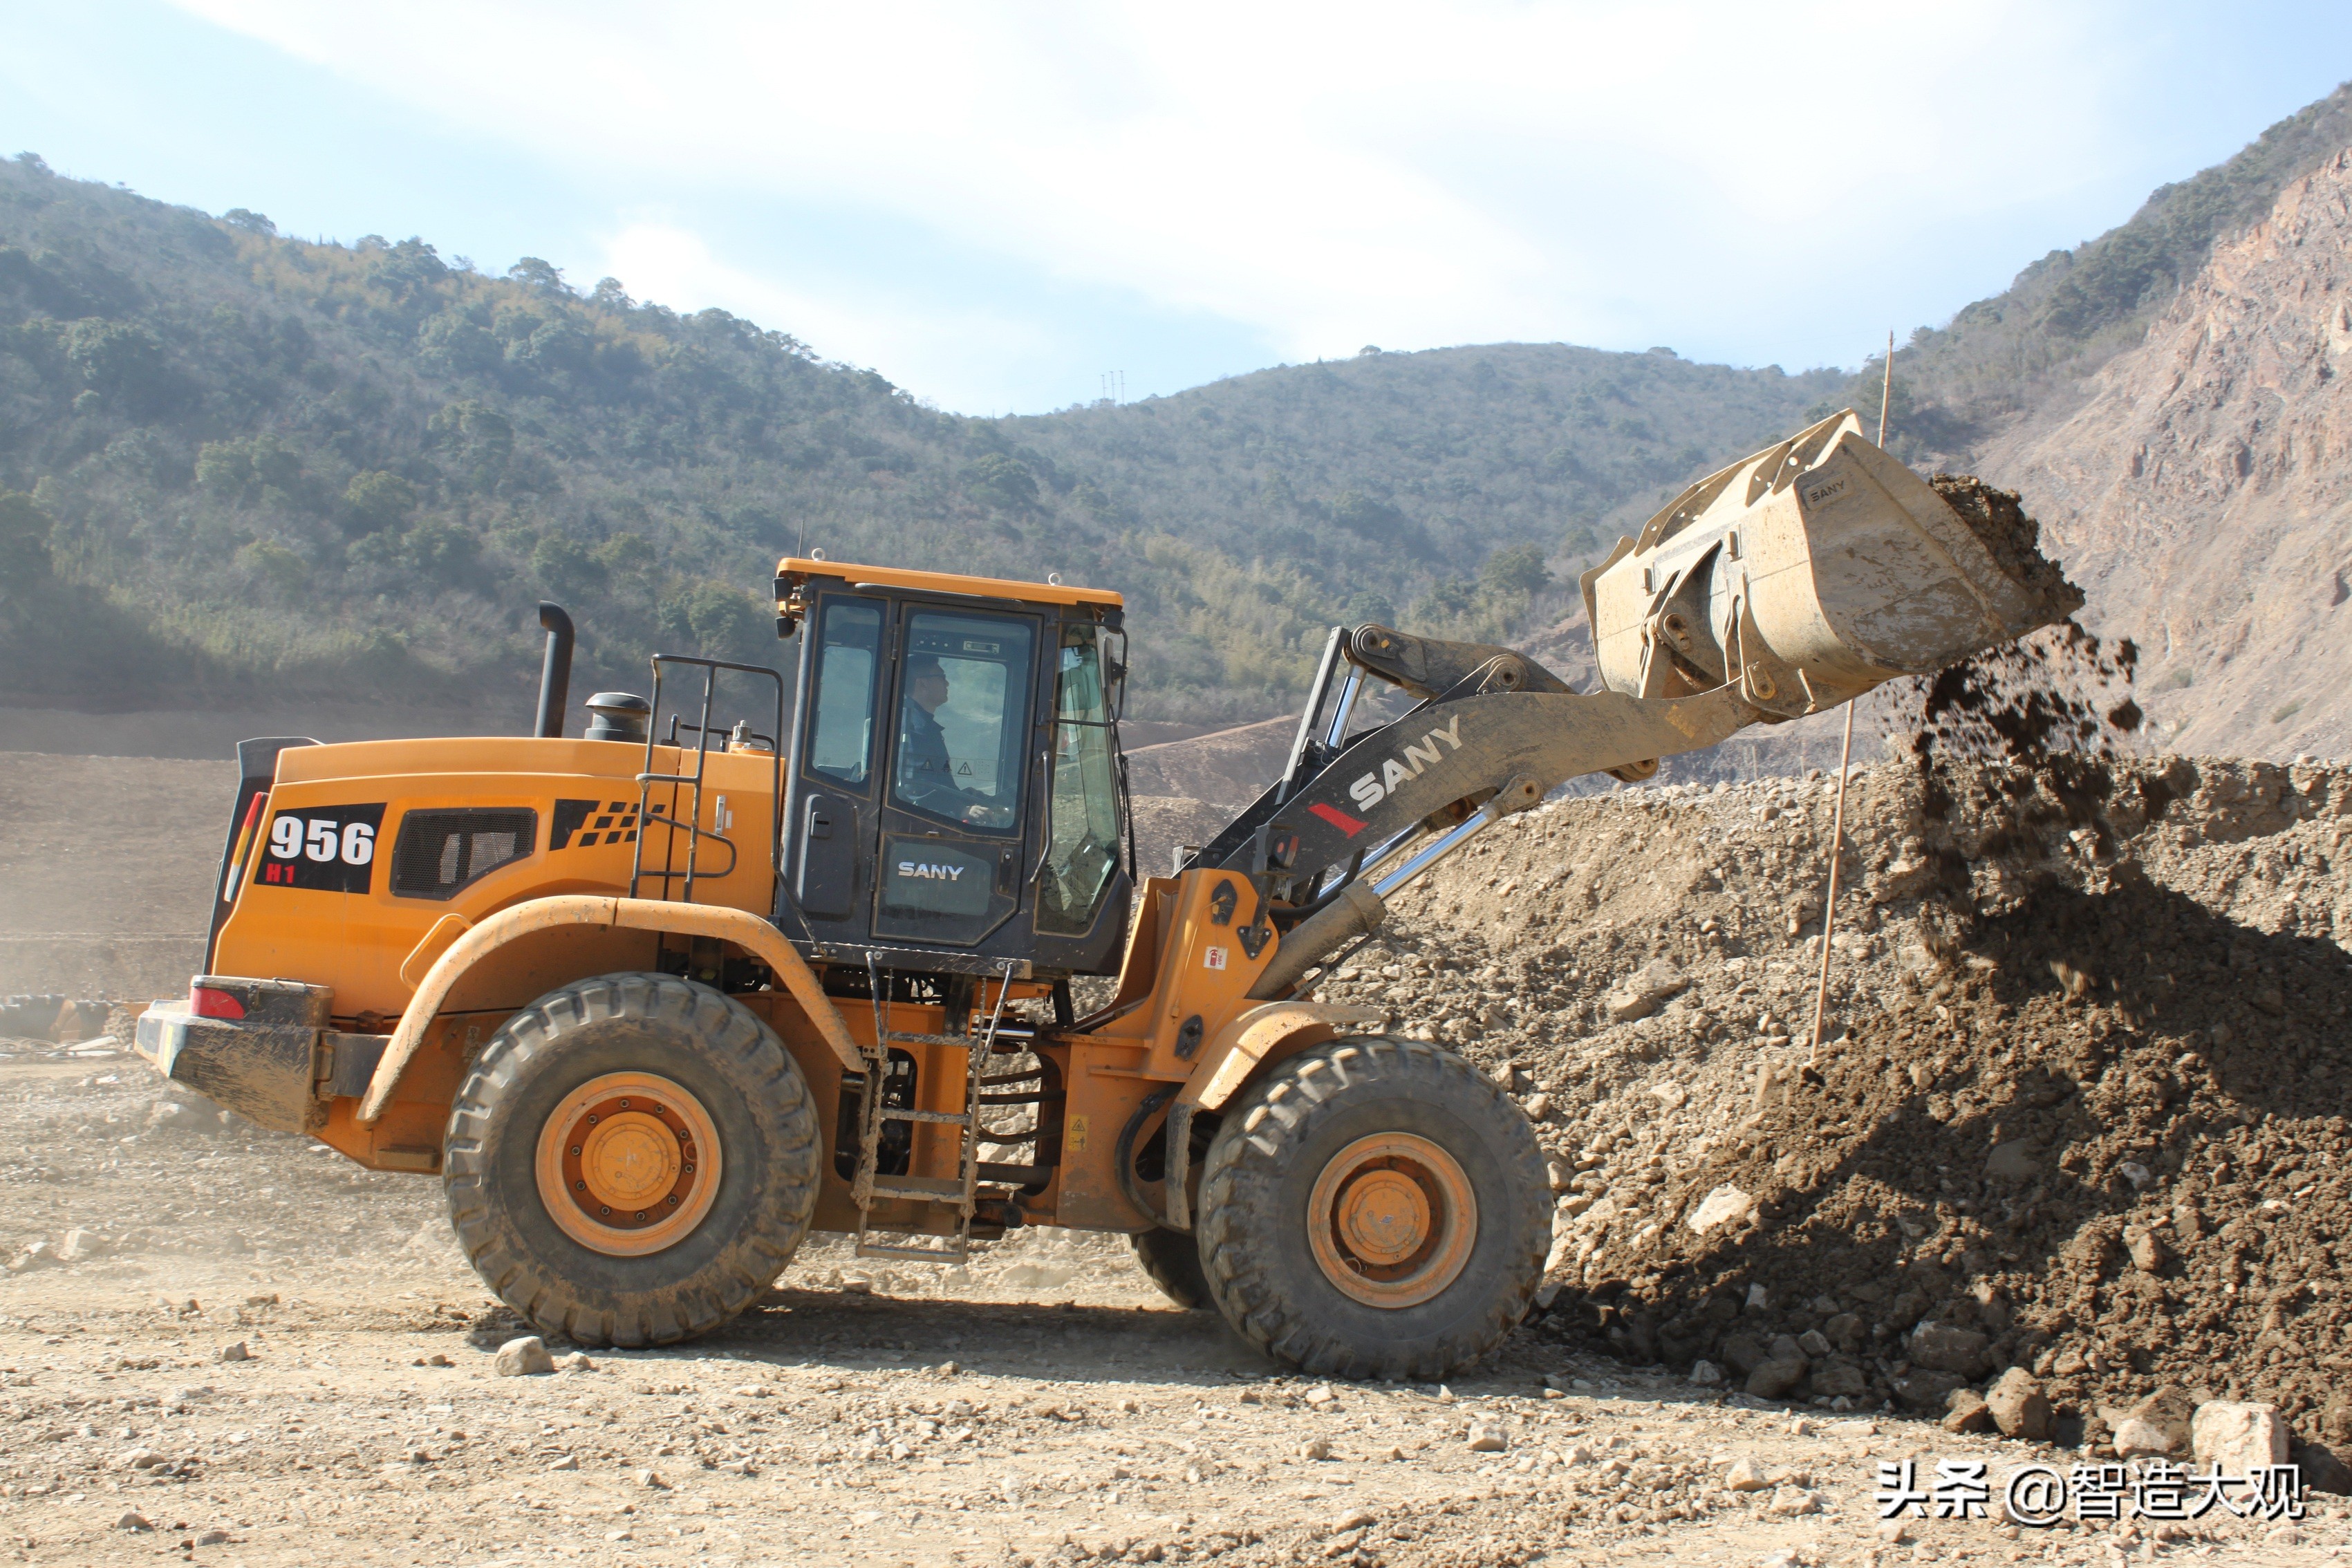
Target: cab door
[949,867]
[837,760]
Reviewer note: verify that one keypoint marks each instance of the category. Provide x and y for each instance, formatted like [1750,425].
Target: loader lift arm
[1785,585]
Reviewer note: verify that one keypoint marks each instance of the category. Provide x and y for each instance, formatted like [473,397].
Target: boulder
[2013,1161]
[1743,1354]
[1966,1411]
[1946,1347]
[2321,1470]
[1745,1476]
[524,1357]
[1775,1379]
[1927,1392]
[2018,1406]
[2238,1437]
[1839,1375]
[2160,1426]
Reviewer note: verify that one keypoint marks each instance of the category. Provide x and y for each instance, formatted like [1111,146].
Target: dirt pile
[1999,522]
[2083,1113]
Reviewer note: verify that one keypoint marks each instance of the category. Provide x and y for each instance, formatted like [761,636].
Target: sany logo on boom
[1371,790]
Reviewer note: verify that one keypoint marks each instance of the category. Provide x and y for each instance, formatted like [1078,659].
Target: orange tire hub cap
[1392,1220]
[628,1163]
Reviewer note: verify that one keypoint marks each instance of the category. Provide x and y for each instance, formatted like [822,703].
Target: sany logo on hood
[1373,788]
[922,871]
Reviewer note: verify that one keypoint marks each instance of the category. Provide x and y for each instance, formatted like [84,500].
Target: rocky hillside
[2203,492]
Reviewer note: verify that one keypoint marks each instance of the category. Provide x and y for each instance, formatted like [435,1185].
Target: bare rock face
[2237,1437]
[2196,494]
[2018,1406]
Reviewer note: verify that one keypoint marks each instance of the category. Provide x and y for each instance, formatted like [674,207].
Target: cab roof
[794,570]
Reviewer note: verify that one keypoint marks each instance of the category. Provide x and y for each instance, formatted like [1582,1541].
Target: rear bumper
[277,1066]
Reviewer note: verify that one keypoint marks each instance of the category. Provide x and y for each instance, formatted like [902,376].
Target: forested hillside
[235,466]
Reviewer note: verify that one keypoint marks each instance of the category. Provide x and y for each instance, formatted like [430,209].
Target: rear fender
[743,928]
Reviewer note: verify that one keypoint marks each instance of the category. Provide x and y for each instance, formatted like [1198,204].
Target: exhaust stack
[554,672]
[1808,573]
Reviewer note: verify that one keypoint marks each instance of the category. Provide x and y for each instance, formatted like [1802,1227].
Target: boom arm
[1787,583]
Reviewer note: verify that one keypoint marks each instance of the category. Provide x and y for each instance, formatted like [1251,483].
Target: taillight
[210,1001]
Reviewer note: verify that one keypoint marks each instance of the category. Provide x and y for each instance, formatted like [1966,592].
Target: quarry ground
[1084,1416]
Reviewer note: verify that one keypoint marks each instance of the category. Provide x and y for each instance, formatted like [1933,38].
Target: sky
[998,207]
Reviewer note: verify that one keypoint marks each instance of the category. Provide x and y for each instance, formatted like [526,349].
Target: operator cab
[954,798]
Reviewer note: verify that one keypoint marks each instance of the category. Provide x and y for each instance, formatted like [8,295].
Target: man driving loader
[926,771]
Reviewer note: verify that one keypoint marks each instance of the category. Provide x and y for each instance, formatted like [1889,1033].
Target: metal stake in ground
[1845,767]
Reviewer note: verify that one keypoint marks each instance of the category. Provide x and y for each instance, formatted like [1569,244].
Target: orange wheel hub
[1392,1220]
[628,1163]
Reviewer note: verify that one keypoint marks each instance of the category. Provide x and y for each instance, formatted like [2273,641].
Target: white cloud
[1324,175]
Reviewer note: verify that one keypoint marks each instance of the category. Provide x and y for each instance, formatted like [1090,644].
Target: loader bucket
[1814,571]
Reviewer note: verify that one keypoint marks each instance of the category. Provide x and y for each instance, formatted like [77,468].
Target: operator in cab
[926,773]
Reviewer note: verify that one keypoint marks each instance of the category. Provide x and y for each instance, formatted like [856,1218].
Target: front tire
[1374,1207]
[632,1160]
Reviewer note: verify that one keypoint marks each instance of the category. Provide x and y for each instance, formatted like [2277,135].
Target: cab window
[841,727]
[1082,859]
[963,710]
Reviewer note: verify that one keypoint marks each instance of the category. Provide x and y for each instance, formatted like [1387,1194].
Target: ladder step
[912,1254]
[945,1118]
[897,1038]
[927,1189]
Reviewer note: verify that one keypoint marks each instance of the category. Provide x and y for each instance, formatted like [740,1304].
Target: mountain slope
[2203,492]
[242,468]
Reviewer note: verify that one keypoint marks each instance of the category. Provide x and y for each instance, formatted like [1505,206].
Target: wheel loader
[742,962]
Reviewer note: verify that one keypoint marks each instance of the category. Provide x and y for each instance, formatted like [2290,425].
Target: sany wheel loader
[654,1003]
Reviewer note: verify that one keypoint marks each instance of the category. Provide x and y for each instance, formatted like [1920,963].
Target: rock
[215,1536]
[133,1520]
[1839,1376]
[79,1245]
[1966,1411]
[1774,1379]
[1317,1450]
[524,1357]
[1790,1501]
[1813,1343]
[1539,1107]
[1927,1391]
[1321,1394]
[578,1361]
[2135,1440]
[1487,1437]
[2018,1406]
[2147,1252]
[1946,1347]
[1894,1531]
[236,1351]
[1844,1331]
[569,1462]
[142,1458]
[1743,1354]
[2012,1159]
[1706,1373]
[1726,1205]
[2238,1437]
[2321,1470]
[1852,1429]
[2168,1413]
[2137,1175]
[1644,991]
[1354,1519]
[1573,1204]
[1745,1476]
[1560,1172]
[651,1481]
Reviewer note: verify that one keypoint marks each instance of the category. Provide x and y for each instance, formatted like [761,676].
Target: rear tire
[1173,1259]
[1374,1207]
[700,1150]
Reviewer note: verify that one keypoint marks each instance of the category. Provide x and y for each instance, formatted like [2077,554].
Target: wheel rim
[1392,1220]
[628,1163]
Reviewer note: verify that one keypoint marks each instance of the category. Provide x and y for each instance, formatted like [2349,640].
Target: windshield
[1082,859]
[962,712]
